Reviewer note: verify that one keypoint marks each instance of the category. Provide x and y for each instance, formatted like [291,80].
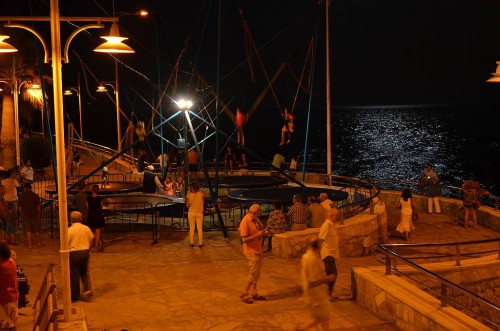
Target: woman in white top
[194,203]
[406,204]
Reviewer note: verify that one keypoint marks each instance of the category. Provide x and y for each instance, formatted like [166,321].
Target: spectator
[193,160]
[276,223]
[105,175]
[314,280]
[80,201]
[95,218]
[11,185]
[316,213]
[430,182]
[29,209]
[230,159]
[77,161]
[406,204]
[278,160]
[297,214]
[325,202]
[169,187]
[80,240]
[10,223]
[194,203]
[150,182]
[27,172]
[251,232]
[472,200]
[330,246]
[9,289]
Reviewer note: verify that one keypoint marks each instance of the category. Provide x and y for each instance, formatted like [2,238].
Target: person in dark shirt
[29,209]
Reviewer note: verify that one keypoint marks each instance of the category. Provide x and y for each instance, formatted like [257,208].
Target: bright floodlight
[184,104]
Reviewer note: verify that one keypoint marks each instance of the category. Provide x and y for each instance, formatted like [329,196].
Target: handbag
[414,216]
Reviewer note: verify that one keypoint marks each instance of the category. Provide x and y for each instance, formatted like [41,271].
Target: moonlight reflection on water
[397,143]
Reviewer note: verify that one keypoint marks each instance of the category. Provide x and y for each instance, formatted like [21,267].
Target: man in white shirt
[330,246]
[27,173]
[325,202]
[80,239]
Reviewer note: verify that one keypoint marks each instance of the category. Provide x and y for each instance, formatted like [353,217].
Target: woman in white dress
[405,202]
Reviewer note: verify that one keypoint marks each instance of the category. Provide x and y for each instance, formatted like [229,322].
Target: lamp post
[102,89]
[184,105]
[57,59]
[69,91]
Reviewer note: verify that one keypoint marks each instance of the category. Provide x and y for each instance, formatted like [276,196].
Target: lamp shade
[114,42]
[5,47]
[496,75]
[68,92]
[101,89]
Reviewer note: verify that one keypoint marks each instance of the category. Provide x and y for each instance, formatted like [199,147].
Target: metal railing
[391,265]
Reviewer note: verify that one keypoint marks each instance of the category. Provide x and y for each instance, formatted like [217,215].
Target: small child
[10,221]
[105,180]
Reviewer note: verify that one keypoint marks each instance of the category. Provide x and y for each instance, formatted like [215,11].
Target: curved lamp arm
[38,35]
[44,44]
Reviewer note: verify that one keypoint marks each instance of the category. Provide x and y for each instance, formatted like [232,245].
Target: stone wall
[357,235]
[403,304]
[486,216]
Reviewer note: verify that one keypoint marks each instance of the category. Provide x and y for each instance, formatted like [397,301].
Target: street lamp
[57,59]
[102,89]
[69,91]
[184,105]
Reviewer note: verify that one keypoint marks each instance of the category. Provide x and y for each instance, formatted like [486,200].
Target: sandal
[258,297]
[247,300]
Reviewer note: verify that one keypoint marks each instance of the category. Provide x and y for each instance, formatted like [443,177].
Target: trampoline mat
[129,202]
[285,194]
[249,181]
[112,188]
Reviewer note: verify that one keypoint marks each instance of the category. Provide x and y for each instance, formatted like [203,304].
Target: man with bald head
[330,246]
[80,240]
[325,202]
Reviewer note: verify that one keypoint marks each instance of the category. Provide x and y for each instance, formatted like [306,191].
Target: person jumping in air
[287,129]
[240,121]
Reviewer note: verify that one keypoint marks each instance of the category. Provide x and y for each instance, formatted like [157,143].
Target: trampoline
[285,194]
[112,188]
[249,181]
[130,202]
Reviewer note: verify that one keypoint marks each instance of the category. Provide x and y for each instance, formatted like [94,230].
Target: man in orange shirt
[251,232]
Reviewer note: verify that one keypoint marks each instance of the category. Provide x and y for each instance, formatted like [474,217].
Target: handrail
[444,283]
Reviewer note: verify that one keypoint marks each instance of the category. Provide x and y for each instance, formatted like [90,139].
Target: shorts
[254,264]
[10,228]
[31,224]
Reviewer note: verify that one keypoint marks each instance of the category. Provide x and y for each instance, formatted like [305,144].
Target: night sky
[383,52]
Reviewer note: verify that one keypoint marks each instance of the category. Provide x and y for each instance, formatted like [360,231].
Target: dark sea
[397,142]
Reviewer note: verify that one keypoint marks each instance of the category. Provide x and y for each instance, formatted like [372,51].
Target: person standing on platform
[164,163]
[472,200]
[278,160]
[27,173]
[330,246]
[105,175]
[316,213]
[405,202]
[251,232]
[230,159]
[314,286]
[80,201]
[141,161]
[430,182]
[80,240]
[77,161]
[29,210]
[95,218]
[150,182]
[193,160]
[297,214]
[194,204]
[9,289]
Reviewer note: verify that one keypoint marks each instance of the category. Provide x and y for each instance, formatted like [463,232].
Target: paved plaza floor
[170,286]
